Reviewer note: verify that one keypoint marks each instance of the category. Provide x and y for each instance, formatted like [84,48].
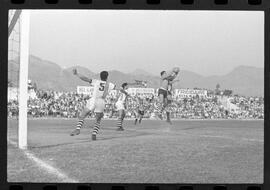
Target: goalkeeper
[166,79]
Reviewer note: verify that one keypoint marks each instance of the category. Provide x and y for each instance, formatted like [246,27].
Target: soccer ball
[176,70]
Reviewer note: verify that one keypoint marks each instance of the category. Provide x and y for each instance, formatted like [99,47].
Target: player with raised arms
[96,103]
[166,77]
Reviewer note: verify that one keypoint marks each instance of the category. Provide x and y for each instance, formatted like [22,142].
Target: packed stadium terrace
[68,105]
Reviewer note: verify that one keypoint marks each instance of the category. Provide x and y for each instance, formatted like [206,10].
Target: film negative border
[251,5]
[131,187]
[140,4]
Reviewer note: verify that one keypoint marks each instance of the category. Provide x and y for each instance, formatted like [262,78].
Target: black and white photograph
[135,96]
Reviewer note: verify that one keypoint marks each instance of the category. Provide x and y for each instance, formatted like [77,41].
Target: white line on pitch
[45,166]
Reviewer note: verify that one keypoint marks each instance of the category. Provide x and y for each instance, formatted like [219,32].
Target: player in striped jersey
[121,104]
[96,103]
[143,104]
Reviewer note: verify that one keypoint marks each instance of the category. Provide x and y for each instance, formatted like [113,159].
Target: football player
[143,104]
[165,79]
[96,103]
[121,104]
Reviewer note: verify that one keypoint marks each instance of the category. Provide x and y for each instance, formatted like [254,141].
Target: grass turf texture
[229,151]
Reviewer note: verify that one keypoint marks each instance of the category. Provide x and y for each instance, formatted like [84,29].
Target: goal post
[23,83]
[19,29]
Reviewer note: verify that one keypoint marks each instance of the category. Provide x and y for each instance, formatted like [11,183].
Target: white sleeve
[111,86]
[94,81]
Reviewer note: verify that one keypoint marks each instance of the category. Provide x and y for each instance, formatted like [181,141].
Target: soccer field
[189,151]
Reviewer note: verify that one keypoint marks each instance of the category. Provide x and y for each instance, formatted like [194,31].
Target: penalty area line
[45,166]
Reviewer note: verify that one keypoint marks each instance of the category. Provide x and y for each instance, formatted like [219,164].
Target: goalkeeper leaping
[163,91]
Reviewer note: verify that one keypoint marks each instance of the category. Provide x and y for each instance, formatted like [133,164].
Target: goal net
[18,58]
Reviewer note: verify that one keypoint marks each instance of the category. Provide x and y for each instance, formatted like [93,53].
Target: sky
[204,42]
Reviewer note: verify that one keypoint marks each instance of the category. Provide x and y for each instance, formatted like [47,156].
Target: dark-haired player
[166,77]
[143,104]
[96,103]
[121,105]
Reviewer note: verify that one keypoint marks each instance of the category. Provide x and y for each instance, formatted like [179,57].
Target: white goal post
[23,77]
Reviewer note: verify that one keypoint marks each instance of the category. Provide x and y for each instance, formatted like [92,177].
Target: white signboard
[141,91]
[189,93]
[86,90]
[13,94]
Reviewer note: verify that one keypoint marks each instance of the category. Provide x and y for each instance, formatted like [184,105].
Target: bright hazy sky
[205,42]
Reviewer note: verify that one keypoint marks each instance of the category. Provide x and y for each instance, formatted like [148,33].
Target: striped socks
[80,124]
[120,122]
[96,128]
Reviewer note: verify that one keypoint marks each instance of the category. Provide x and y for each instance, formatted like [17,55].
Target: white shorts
[120,106]
[96,105]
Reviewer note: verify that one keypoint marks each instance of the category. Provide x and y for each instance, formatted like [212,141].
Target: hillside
[48,75]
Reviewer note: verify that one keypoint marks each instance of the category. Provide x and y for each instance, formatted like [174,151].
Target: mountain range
[244,80]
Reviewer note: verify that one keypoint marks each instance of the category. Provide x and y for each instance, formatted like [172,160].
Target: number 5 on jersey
[102,86]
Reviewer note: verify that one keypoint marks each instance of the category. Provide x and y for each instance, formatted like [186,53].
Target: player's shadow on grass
[156,132]
[57,145]
[123,136]
[189,128]
[84,140]
[127,133]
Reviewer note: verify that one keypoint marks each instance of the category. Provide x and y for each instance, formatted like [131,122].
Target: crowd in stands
[69,105]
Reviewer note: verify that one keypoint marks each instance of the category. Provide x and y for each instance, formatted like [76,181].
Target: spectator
[69,104]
